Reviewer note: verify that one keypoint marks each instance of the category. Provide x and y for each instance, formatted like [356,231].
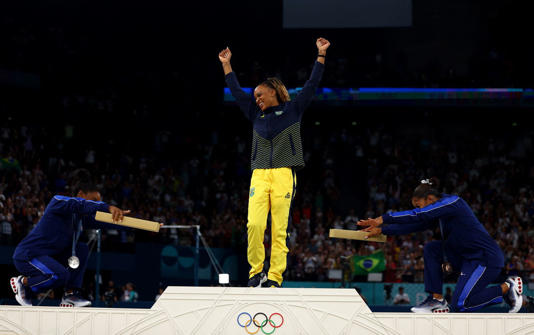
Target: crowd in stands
[205,187]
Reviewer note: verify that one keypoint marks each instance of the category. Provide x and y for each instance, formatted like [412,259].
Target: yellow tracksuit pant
[270,190]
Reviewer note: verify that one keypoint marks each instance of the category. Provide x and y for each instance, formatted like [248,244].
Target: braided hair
[281,91]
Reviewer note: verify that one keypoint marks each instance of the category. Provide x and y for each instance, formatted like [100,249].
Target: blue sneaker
[431,305]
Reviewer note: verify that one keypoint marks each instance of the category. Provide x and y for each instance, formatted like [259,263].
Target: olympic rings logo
[260,325]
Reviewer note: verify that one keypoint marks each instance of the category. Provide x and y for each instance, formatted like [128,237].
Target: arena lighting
[407,93]
[435,90]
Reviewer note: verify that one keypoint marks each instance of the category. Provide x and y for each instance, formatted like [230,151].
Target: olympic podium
[230,310]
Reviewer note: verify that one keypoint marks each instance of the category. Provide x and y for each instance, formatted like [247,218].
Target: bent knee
[55,279]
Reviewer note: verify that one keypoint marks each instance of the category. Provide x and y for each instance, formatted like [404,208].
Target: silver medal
[74,262]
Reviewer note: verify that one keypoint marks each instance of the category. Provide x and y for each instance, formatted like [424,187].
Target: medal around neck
[74,262]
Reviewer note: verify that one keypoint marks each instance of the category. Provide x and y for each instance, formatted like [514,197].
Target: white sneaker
[431,305]
[73,300]
[20,291]
[514,295]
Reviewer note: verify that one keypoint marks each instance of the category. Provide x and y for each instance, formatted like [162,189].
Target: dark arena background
[134,92]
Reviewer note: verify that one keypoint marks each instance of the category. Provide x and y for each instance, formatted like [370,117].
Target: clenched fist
[322,45]
[225,55]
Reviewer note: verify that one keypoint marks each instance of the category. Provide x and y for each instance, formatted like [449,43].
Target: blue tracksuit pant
[46,272]
[471,292]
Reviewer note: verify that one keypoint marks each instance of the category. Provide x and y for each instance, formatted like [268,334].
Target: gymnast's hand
[117,213]
[225,55]
[372,231]
[370,222]
[322,45]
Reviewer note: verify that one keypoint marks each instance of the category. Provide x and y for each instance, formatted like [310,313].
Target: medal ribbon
[77,230]
[443,241]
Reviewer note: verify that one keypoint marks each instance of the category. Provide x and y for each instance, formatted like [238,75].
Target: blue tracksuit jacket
[53,233]
[276,138]
[465,236]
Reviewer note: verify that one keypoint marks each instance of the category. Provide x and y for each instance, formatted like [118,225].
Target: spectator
[111,294]
[401,297]
[310,265]
[129,294]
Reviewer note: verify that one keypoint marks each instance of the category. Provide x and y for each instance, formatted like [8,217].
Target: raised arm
[224,57]
[246,102]
[305,96]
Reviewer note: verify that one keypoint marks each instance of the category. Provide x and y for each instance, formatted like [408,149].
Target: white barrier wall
[458,323]
[217,310]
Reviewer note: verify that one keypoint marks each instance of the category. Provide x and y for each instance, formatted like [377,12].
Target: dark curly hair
[81,180]
[426,188]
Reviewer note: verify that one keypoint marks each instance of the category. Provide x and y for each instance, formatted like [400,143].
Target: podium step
[233,310]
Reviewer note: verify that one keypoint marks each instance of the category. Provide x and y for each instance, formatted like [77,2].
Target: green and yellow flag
[9,164]
[362,265]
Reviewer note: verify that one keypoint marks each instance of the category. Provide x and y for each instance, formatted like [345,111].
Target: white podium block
[215,310]
[231,310]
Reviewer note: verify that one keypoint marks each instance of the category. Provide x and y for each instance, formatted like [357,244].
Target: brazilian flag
[362,265]
[9,164]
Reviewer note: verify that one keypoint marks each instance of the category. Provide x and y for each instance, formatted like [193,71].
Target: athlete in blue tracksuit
[466,246]
[41,257]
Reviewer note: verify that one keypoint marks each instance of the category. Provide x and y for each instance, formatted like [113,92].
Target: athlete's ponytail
[426,188]
[281,91]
